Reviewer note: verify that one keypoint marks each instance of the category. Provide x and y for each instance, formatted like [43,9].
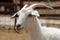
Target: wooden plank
[58,7]
[48,11]
[50,18]
[52,25]
[46,14]
[50,22]
[54,4]
[9,4]
[42,0]
[7,12]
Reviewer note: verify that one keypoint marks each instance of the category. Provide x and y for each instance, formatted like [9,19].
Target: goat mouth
[17,28]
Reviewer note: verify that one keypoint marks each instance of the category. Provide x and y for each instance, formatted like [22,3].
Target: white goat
[28,18]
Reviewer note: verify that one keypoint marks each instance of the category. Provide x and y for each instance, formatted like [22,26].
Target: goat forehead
[25,12]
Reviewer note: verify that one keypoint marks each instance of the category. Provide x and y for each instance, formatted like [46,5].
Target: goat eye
[30,15]
[16,15]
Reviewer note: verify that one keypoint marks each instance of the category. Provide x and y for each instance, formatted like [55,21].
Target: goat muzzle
[17,28]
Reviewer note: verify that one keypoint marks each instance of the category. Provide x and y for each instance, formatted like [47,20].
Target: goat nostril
[30,15]
[18,25]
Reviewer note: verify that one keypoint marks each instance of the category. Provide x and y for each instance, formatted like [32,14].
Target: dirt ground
[10,34]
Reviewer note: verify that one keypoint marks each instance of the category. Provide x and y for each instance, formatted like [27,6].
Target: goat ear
[15,15]
[35,13]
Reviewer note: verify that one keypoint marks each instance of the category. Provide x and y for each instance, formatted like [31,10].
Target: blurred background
[49,18]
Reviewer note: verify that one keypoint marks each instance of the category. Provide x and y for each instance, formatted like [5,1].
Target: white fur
[33,25]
